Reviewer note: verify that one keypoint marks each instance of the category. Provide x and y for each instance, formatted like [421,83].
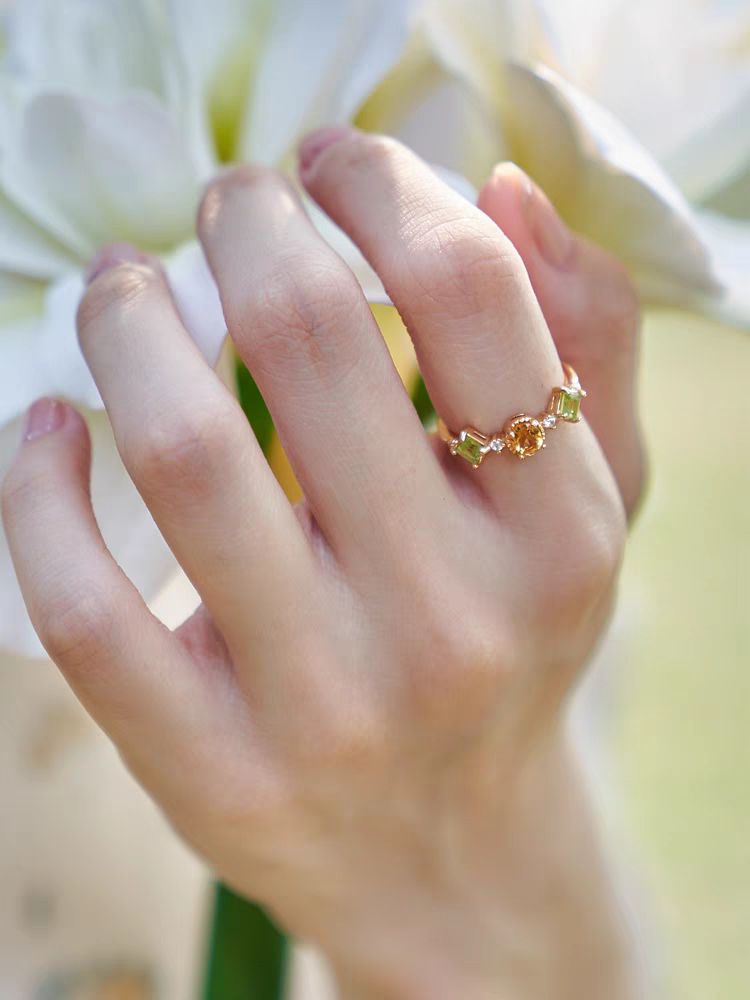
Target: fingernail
[313,145]
[110,256]
[44,417]
[554,240]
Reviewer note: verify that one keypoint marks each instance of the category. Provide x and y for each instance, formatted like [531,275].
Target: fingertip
[52,432]
[317,142]
[111,255]
[529,219]
[55,447]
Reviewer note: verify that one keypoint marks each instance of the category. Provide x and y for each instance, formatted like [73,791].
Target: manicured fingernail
[313,145]
[554,240]
[110,256]
[44,417]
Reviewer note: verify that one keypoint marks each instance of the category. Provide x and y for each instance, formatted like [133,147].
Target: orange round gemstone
[524,436]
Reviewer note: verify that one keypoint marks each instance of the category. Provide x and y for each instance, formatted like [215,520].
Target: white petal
[688,100]
[39,352]
[607,186]
[438,114]
[126,525]
[90,172]
[319,63]
[197,299]
[25,247]
[210,34]
[366,276]
[58,357]
[22,378]
[219,45]
[729,243]
[101,47]
[475,38]
[21,297]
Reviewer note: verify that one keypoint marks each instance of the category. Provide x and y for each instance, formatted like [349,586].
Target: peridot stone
[568,404]
[471,447]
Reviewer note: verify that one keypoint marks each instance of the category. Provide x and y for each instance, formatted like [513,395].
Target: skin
[363,725]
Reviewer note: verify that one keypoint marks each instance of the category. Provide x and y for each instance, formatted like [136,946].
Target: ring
[522,435]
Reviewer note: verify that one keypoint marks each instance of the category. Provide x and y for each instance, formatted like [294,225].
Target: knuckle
[464,666]
[187,452]
[465,267]
[348,722]
[303,315]
[71,628]
[119,289]
[584,562]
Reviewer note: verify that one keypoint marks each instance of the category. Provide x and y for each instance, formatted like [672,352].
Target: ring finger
[484,348]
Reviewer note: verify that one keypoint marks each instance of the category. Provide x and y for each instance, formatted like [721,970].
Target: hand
[360,726]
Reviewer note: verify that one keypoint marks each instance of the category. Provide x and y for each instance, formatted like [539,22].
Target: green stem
[248,954]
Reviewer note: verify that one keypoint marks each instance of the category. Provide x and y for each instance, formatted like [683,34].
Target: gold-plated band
[522,435]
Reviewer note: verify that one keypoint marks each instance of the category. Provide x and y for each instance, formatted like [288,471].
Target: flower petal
[197,299]
[126,525]
[319,63]
[39,352]
[91,172]
[728,241]
[607,186]
[208,34]
[25,247]
[102,47]
[437,113]
[687,101]
[474,39]
[218,44]
[350,252]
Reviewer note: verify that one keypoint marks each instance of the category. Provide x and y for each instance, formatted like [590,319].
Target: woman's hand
[360,727]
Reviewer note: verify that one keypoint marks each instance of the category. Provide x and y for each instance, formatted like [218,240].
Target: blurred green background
[682,727]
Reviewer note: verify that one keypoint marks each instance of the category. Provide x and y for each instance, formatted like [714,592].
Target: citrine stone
[471,445]
[524,436]
[568,403]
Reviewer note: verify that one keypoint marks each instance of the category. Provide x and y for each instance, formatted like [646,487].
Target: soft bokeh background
[681,737]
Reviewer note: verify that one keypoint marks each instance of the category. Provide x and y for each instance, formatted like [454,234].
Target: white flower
[629,113]
[113,113]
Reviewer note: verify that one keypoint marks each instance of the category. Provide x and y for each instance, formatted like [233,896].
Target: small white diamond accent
[497,444]
[549,421]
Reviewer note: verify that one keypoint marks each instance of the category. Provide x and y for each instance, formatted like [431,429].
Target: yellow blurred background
[682,736]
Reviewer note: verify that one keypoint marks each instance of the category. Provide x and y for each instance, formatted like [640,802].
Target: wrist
[541,921]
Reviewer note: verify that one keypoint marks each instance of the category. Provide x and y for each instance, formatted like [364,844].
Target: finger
[191,453]
[127,669]
[592,311]
[304,329]
[482,342]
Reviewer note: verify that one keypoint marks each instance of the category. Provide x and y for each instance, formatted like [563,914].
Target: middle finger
[302,325]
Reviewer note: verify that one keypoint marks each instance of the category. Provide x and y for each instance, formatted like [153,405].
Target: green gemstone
[569,404]
[470,448]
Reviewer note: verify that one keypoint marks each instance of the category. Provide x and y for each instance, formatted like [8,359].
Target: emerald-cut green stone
[568,404]
[470,447]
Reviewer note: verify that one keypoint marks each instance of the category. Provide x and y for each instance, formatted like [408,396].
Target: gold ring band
[522,435]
